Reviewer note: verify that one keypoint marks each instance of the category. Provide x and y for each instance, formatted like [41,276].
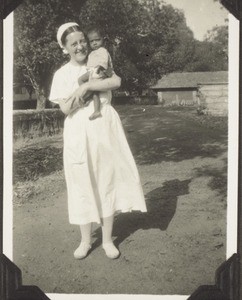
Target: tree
[37,53]
[212,53]
[219,36]
[177,45]
[19,77]
[169,40]
[21,81]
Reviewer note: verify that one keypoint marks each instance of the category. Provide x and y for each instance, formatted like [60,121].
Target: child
[99,66]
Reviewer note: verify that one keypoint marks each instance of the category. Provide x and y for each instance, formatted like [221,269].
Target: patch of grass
[207,121]
[23,191]
[31,163]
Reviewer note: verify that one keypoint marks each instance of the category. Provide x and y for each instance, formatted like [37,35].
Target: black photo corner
[227,278]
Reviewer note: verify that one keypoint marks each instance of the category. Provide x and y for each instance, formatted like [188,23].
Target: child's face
[95,40]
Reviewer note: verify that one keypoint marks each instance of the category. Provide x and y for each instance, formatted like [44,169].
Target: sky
[201,15]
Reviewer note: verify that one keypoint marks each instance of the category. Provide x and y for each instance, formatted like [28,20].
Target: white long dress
[100,171]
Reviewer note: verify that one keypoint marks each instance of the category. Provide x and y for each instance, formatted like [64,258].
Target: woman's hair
[68,31]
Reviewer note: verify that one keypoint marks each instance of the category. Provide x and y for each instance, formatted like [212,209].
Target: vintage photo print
[120,141]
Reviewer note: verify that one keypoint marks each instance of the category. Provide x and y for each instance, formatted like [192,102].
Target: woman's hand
[70,104]
[83,92]
[81,95]
[74,100]
[104,85]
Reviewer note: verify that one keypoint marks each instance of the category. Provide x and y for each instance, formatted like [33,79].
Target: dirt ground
[174,248]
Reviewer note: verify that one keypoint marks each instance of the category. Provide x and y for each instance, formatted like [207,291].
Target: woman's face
[76,46]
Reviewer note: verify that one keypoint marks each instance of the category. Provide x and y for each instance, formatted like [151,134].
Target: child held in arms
[99,66]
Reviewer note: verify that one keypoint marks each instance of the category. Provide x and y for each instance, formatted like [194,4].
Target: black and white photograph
[121,145]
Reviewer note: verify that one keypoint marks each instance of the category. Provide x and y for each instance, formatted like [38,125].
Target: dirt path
[172,249]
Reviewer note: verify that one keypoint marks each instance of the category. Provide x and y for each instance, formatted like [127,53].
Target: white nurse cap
[62,29]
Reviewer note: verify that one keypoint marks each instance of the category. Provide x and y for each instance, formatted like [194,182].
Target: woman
[100,171]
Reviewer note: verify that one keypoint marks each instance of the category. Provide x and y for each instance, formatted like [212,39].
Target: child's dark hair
[96,29]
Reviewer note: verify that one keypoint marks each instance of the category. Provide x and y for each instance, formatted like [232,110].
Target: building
[187,88]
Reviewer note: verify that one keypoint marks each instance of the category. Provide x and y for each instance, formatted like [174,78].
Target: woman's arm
[107,84]
[69,105]
[65,106]
[83,93]
[104,85]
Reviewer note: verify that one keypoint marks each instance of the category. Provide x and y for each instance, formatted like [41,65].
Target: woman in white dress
[100,171]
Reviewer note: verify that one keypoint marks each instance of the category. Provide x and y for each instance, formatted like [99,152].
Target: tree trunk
[41,99]
[38,88]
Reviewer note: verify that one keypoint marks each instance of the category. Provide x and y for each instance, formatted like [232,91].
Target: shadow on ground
[161,207]
[158,135]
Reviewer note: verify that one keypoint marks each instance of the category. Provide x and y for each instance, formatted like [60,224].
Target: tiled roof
[190,79]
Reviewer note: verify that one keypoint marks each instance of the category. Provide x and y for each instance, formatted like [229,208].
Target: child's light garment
[100,171]
[99,57]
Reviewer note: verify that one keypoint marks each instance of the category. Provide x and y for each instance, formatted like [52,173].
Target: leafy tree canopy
[212,53]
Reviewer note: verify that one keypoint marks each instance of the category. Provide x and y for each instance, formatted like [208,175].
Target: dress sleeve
[58,90]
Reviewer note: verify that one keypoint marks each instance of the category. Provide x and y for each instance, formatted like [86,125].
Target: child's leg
[85,246]
[108,246]
[97,107]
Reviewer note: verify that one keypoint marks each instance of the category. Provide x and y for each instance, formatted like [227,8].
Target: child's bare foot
[95,115]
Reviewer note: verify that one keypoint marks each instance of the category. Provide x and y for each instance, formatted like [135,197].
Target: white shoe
[82,251]
[110,250]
